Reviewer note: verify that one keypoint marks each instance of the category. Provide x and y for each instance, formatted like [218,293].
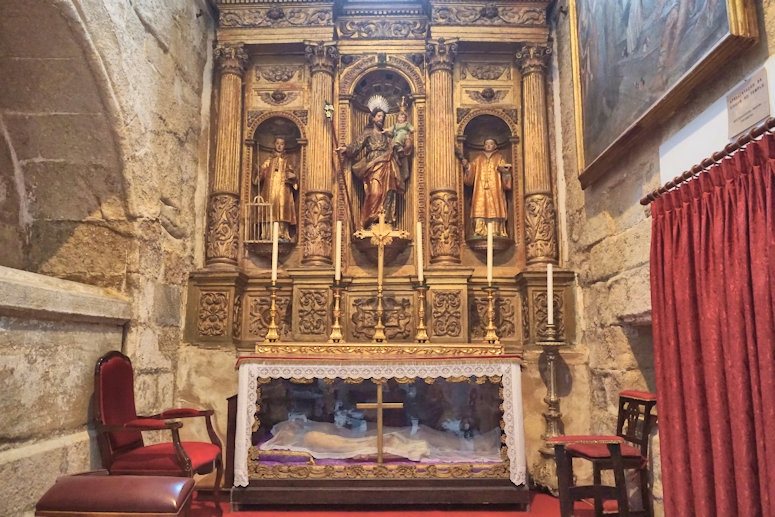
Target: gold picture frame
[636,61]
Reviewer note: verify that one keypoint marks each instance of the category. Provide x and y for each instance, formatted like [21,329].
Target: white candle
[489,253]
[420,275]
[275,237]
[338,252]
[549,295]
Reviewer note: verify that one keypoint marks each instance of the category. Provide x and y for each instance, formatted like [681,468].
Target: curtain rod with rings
[729,149]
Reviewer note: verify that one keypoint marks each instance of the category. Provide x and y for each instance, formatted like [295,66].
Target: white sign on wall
[749,103]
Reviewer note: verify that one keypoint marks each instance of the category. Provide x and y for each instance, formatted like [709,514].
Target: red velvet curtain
[712,277]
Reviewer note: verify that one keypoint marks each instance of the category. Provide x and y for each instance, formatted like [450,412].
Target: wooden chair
[119,430]
[634,422]
[569,492]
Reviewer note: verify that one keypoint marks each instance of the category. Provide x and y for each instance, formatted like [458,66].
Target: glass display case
[384,423]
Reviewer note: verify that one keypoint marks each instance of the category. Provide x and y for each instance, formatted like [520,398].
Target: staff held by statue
[329,109]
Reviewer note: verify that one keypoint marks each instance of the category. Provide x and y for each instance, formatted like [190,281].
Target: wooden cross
[379,406]
[381,234]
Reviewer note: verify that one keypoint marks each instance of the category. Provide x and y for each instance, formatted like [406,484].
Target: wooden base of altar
[380,493]
[508,488]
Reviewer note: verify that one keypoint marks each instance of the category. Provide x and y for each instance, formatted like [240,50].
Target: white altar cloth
[251,368]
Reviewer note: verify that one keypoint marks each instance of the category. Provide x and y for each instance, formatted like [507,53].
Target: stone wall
[607,241]
[104,138]
[52,333]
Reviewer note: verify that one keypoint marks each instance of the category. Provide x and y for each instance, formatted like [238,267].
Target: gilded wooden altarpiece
[311,72]
[458,70]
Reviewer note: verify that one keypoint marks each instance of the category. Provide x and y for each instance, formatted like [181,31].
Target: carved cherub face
[329,109]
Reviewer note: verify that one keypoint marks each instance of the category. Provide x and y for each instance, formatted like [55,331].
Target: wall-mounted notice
[749,103]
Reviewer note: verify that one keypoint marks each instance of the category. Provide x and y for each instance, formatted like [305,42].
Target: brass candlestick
[336,327]
[422,334]
[545,470]
[490,334]
[272,336]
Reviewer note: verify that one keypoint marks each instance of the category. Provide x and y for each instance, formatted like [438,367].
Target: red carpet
[541,505]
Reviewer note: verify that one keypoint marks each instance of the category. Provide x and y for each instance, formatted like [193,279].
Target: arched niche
[473,131]
[395,90]
[260,147]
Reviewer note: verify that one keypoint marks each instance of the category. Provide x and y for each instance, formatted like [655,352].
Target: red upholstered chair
[119,430]
[633,426]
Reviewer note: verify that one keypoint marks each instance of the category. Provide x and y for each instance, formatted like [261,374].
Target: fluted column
[317,214]
[540,213]
[223,205]
[444,225]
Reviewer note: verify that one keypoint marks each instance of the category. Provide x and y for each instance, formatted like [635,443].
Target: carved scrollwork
[236,326]
[318,232]
[397,317]
[525,318]
[486,71]
[444,226]
[490,14]
[313,311]
[275,16]
[540,234]
[383,29]
[222,227]
[446,313]
[259,317]
[213,314]
[277,73]
[541,317]
[503,320]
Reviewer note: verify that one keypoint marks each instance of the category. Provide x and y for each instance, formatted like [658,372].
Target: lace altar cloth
[423,448]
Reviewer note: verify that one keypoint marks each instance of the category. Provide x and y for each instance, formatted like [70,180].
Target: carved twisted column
[223,205]
[444,205]
[540,213]
[317,216]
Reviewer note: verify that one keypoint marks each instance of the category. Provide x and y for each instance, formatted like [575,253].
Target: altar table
[252,367]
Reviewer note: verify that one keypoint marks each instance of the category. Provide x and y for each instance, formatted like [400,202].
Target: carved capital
[444,227]
[222,228]
[441,55]
[322,57]
[231,58]
[533,58]
[540,228]
[317,221]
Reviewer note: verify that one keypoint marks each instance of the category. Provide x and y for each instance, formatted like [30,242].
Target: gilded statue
[378,167]
[277,180]
[490,176]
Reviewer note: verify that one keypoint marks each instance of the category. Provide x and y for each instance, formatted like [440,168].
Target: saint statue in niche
[490,176]
[277,180]
[378,167]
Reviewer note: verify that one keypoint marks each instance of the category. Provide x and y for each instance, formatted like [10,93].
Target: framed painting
[635,61]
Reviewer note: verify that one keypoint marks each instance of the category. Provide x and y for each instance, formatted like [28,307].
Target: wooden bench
[117,496]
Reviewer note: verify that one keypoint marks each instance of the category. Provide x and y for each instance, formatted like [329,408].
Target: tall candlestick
[420,275]
[489,253]
[338,252]
[275,237]
[549,295]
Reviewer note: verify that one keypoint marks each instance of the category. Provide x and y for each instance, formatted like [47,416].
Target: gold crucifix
[381,234]
[379,406]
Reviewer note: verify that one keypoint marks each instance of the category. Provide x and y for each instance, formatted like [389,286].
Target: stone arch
[65,207]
